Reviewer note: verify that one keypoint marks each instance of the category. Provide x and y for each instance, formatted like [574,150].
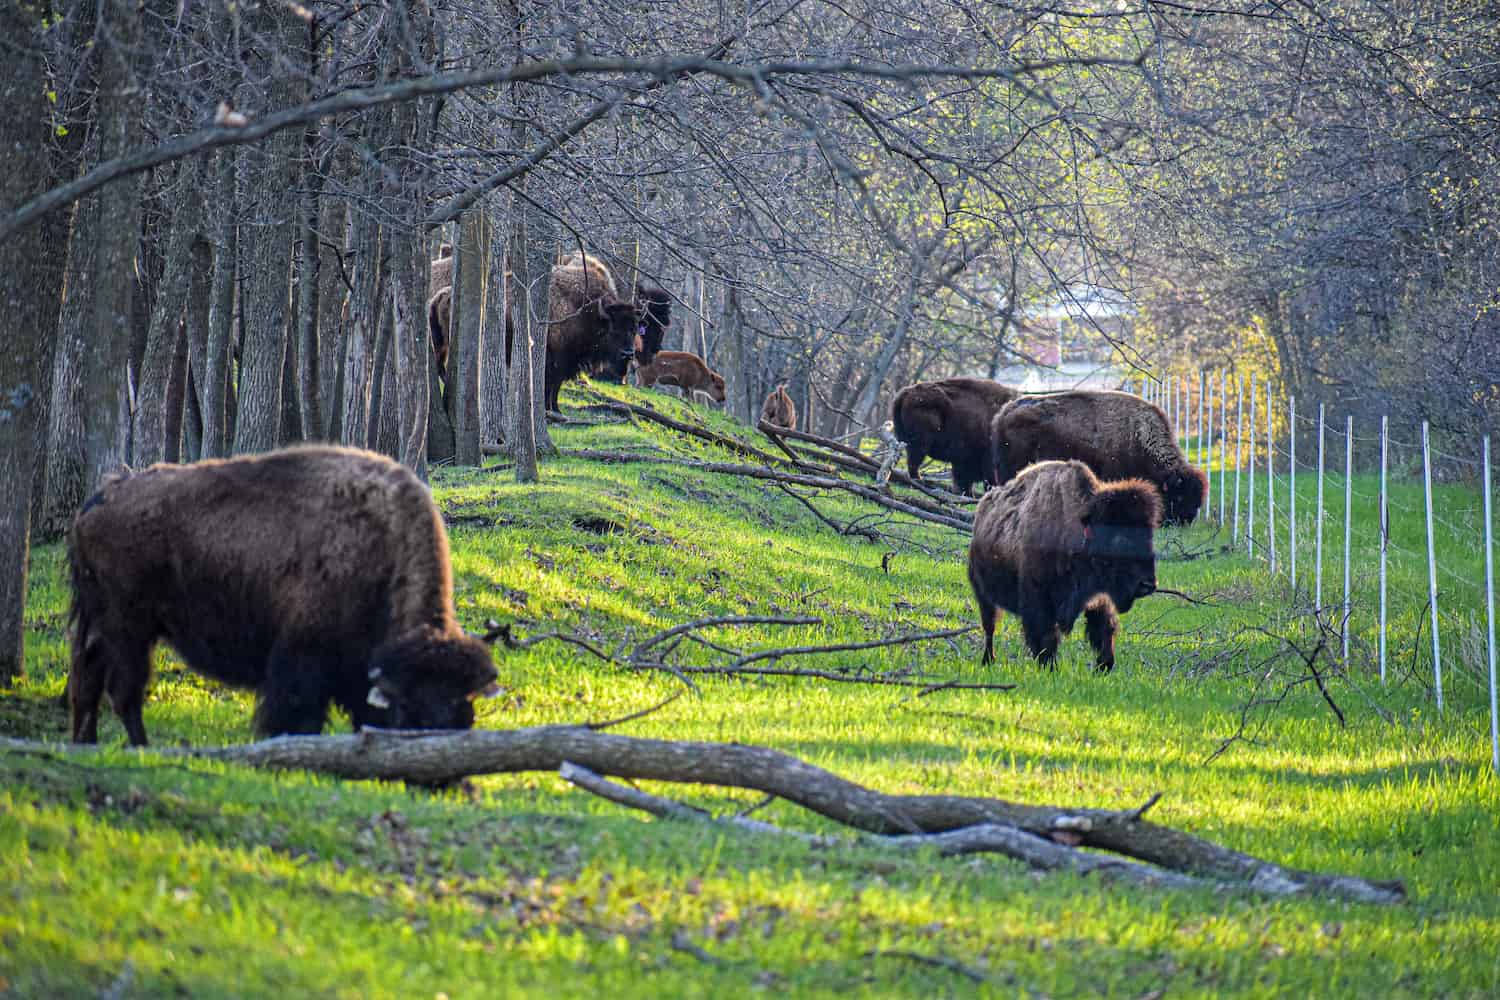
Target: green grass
[209,880]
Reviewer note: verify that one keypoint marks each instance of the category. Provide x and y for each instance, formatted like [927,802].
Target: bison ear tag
[377,698]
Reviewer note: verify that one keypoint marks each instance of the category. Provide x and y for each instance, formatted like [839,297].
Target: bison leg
[294,696]
[120,665]
[914,459]
[1100,624]
[1041,631]
[987,615]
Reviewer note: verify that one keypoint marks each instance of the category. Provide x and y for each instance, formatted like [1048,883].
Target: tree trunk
[67,454]
[333,297]
[177,379]
[382,434]
[272,175]
[463,362]
[411,350]
[521,439]
[105,385]
[492,360]
[218,355]
[31,270]
[152,414]
[363,324]
[309,264]
[196,337]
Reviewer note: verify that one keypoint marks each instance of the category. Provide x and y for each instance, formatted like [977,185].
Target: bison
[950,420]
[1054,542]
[684,370]
[778,410]
[1118,435]
[313,576]
[588,326]
[656,315]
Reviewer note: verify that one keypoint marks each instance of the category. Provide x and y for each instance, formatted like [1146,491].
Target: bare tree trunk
[218,355]
[31,270]
[273,172]
[471,293]
[152,414]
[492,359]
[196,340]
[67,455]
[411,350]
[521,440]
[333,296]
[177,381]
[309,264]
[363,324]
[382,434]
[291,408]
[105,393]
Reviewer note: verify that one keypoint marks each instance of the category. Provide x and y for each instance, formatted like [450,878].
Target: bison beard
[950,420]
[1117,435]
[1055,542]
[313,576]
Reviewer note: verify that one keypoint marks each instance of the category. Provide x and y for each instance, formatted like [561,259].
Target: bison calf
[778,410]
[1055,542]
[684,370]
[313,576]
[1118,435]
[950,420]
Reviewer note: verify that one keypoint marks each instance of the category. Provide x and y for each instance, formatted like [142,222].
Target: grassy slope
[221,882]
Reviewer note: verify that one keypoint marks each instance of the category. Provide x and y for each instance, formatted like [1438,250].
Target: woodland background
[218,218]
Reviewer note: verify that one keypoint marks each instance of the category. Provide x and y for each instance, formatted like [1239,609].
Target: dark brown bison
[1118,435]
[778,410]
[439,318]
[655,306]
[687,371]
[589,328]
[950,420]
[312,575]
[1055,542]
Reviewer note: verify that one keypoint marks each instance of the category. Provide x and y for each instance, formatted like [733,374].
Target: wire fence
[1385,555]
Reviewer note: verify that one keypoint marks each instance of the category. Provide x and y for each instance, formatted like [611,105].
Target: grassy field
[145,877]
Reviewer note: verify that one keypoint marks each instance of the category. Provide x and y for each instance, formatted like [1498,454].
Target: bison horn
[490,690]
[377,698]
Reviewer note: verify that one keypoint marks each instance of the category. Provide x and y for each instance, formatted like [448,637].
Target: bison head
[656,315]
[716,387]
[618,324]
[1117,531]
[1184,490]
[429,681]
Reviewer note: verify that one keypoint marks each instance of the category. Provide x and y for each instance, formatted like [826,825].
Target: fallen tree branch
[442,757]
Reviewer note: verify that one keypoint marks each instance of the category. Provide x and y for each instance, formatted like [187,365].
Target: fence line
[1203,427]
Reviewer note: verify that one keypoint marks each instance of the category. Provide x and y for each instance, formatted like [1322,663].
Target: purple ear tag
[641,328]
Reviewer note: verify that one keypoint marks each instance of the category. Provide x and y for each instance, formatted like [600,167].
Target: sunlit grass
[210,880]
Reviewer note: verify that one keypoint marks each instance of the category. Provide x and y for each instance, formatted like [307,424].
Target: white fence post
[1270,480]
[1385,531]
[1250,460]
[1348,526]
[1239,442]
[1318,526]
[1291,468]
[1432,593]
[1223,443]
[1489,608]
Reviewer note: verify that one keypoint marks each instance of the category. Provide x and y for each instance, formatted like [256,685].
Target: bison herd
[319,576]
[1080,481]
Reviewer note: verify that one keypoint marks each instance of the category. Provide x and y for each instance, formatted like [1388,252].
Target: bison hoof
[1105,666]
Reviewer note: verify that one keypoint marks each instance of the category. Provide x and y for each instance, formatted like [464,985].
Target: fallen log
[442,757]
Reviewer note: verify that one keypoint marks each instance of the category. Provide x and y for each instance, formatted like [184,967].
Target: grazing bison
[778,410]
[312,575]
[1055,542]
[687,371]
[1118,435]
[950,420]
[589,328]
